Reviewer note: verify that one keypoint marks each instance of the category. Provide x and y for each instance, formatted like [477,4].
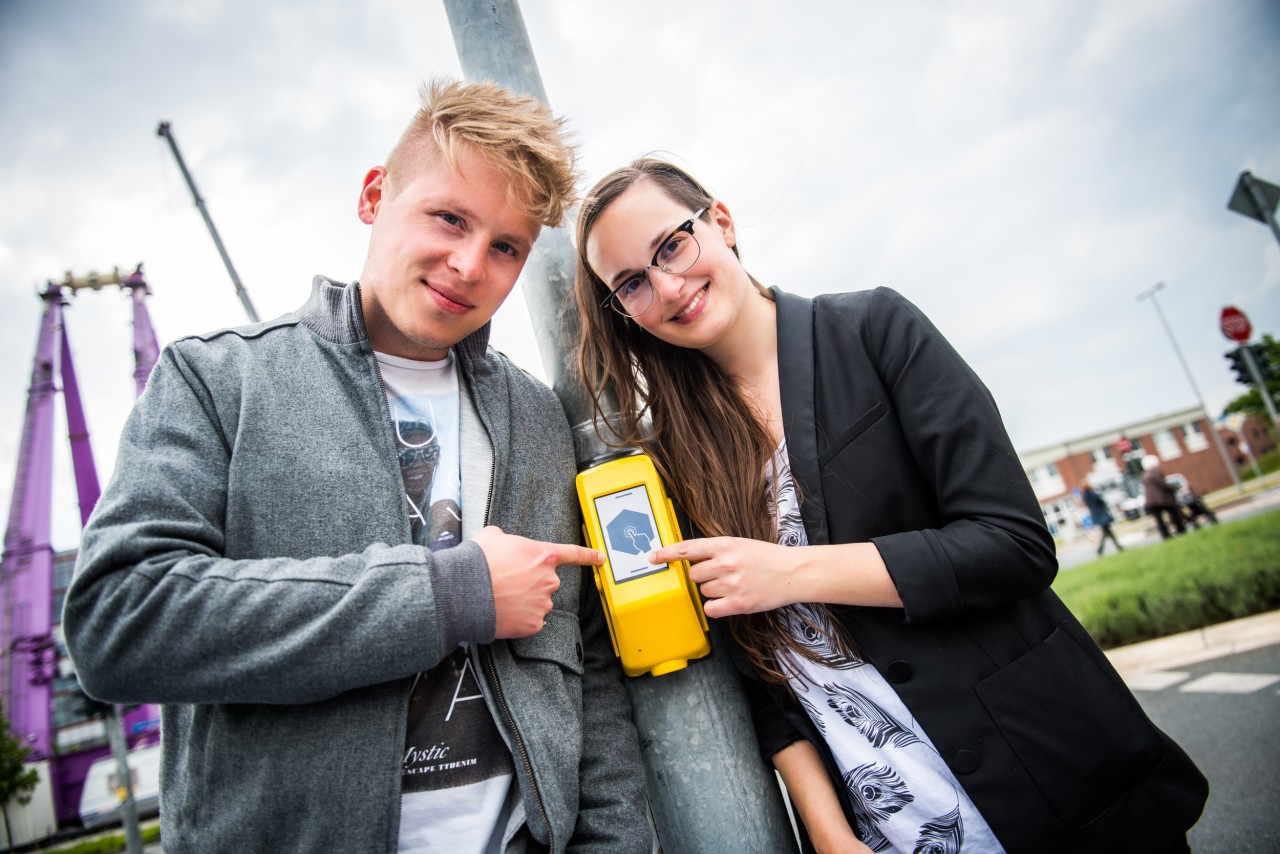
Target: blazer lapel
[797,381]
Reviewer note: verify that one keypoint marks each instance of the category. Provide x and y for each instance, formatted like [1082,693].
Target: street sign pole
[1236,327]
[1247,353]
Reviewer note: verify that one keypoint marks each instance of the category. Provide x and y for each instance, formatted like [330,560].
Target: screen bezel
[604,537]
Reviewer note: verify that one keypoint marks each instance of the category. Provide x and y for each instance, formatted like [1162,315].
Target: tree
[17,781]
[1250,403]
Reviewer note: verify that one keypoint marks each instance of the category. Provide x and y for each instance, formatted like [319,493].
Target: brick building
[1181,440]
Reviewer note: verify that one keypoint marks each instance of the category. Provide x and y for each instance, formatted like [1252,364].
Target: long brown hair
[685,412]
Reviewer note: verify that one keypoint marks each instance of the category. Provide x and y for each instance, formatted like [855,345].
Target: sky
[1021,171]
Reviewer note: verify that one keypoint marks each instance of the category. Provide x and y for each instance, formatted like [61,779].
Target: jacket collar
[798,388]
[333,312]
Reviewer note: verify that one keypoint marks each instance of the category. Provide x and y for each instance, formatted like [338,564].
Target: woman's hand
[742,576]
[737,575]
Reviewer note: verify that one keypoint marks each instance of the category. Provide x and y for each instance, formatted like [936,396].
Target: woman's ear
[723,220]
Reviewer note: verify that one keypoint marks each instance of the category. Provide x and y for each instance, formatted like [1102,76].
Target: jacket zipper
[524,753]
[487,654]
[382,387]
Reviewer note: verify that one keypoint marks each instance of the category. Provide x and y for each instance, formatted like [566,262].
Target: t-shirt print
[457,781]
[453,740]
[423,400]
[435,518]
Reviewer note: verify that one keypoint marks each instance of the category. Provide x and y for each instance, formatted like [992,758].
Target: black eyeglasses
[677,252]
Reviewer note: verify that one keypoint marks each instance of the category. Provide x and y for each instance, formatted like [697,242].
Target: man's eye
[506,249]
[452,219]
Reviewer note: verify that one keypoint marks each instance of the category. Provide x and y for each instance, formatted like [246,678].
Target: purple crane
[29,661]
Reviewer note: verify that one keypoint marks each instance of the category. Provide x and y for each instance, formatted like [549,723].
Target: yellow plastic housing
[654,612]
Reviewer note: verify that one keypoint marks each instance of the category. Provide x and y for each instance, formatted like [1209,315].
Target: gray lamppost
[1150,293]
[709,789]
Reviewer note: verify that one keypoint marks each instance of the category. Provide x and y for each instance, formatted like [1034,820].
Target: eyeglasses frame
[687,227]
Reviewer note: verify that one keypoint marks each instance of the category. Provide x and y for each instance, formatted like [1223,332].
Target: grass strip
[1208,576]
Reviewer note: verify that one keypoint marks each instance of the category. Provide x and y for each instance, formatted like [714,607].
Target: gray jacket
[250,567]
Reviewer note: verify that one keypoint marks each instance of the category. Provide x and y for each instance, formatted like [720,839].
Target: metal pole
[124,786]
[1213,431]
[709,790]
[1243,442]
[165,131]
[493,44]
[1260,383]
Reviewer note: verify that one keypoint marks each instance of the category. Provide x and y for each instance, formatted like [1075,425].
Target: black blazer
[893,439]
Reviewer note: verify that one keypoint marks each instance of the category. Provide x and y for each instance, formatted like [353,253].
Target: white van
[100,802]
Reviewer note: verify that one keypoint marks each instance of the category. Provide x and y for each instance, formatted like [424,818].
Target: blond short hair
[517,135]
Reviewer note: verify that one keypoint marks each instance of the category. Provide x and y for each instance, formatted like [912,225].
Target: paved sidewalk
[1198,645]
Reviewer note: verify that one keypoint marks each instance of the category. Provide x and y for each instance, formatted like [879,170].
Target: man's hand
[523,574]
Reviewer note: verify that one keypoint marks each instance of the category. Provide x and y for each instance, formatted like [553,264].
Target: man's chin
[437,341]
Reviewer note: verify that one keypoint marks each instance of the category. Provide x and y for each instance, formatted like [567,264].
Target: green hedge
[1267,463]
[1208,576]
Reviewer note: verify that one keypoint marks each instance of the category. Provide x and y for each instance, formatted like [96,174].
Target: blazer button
[898,672]
[578,649]
[965,762]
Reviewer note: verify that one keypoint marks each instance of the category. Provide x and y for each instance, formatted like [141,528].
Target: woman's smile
[693,308]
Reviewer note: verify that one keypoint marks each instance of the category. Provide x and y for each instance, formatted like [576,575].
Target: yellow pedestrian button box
[653,610]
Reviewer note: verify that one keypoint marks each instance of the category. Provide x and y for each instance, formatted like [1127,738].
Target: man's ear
[371,192]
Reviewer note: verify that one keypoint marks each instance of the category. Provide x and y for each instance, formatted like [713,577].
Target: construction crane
[30,666]
[166,131]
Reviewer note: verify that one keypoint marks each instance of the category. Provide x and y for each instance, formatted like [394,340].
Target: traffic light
[1261,362]
[1236,359]
[1133,464]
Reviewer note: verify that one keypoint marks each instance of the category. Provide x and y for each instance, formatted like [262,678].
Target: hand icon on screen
[639,540]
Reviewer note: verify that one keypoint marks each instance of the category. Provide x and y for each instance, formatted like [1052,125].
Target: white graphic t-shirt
[904,796]
[423,398]
[457,780]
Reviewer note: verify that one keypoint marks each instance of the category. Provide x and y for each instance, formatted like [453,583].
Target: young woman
[870,535]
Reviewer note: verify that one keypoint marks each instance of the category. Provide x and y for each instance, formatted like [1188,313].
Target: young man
[338,546]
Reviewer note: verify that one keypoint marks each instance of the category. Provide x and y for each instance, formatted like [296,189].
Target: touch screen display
[630,532]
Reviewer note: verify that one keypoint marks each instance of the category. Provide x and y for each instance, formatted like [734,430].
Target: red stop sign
[1235,325]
